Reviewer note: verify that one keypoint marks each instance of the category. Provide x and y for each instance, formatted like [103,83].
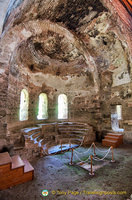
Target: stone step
[45,124]
[73,129]
[67,130]
[72,123]
[58,149]
[39,138]
[68,136]
[39,142]
[45,141]
[70,140]
[76,140]
[35,140]
[30,131]
[35,135]
[62,141]
[31,136]
[74,132]
[72,126]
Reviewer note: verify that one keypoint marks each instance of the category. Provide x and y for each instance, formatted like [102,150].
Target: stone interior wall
[80,105]
[82,51]
[3,98]
[120,95]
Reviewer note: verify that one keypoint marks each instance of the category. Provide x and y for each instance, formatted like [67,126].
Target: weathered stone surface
[78,48]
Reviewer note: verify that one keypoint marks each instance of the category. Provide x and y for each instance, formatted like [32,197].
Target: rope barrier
[93,157]
[85,151]
[76,152]
[81,142]
[72,157]
[100,159]
[41,151]
[44,148]
[80,159]
[112,155]
[94,148]
[99,149]
[69,143]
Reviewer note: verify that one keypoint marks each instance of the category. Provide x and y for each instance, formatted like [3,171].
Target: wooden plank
[28,167]
[16,175]
[12,174]
[5,168]
[18,180]
[5,158]
[16,162]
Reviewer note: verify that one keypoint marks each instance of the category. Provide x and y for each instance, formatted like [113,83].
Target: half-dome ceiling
[72,14]
[50,50]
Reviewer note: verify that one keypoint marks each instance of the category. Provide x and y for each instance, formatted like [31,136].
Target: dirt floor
[112,181]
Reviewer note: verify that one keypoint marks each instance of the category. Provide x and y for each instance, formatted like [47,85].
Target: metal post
[94,149]
[56,128]
[71,163]
[61,146]
[112,151]
[70,144]
[91,172]
[41,151]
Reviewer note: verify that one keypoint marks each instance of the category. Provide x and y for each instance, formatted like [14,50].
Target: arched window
[24,101]
[62,106]
[119,111]
[43,106]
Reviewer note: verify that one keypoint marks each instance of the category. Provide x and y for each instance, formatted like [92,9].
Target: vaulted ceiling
[69,36]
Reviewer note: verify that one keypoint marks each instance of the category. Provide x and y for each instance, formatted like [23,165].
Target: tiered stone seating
[73,130]
[112,139]
[52,134]
[14,171]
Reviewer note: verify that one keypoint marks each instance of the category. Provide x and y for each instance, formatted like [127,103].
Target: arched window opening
[24,101]
[43,106]
[119,111]
[62,106]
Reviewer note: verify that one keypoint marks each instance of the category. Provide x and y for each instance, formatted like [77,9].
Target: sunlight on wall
[116,115]
[43,107]
[24,101]
[119,112]
[62,106]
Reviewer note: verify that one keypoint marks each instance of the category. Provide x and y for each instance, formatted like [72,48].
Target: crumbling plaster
[92,65]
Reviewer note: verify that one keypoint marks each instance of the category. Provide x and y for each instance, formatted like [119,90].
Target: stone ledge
[129,122]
